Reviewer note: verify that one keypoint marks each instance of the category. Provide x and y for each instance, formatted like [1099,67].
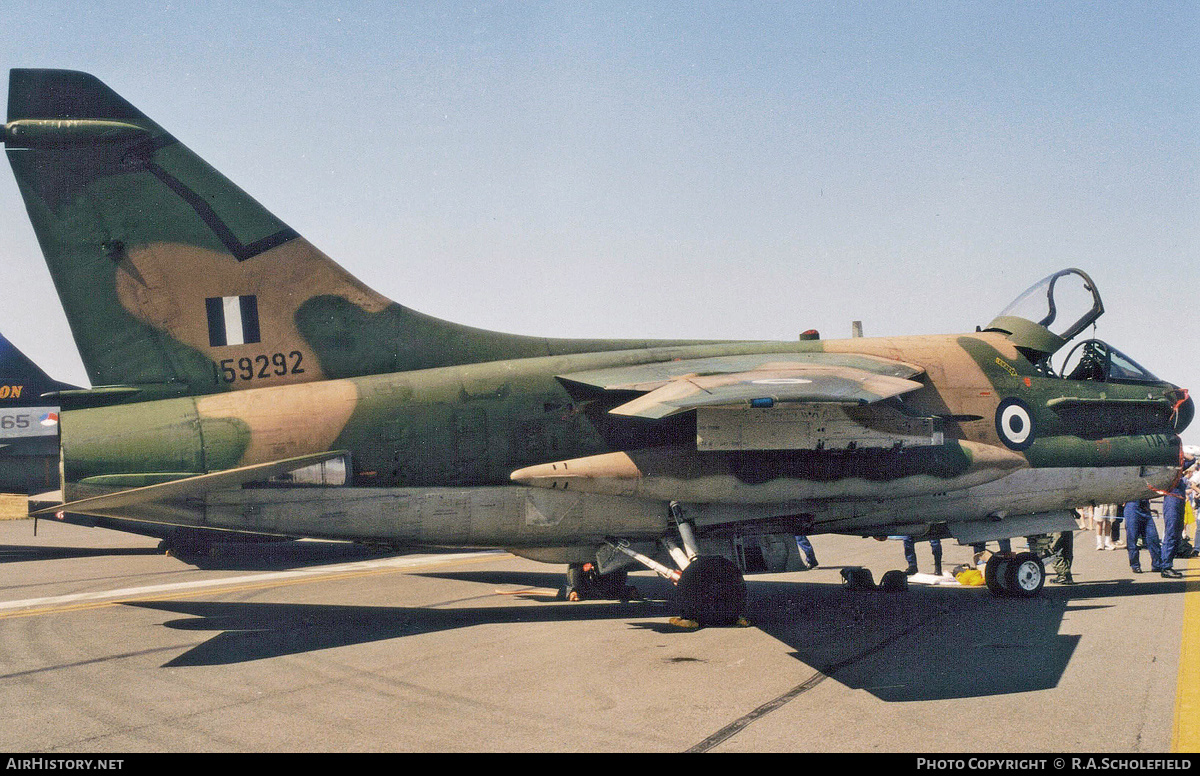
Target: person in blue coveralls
[1173,508]
[1139,522]
[806,547]
[910,555]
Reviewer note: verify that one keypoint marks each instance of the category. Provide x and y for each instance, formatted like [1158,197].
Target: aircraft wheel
[1025,575]
[711,591]
[995,573]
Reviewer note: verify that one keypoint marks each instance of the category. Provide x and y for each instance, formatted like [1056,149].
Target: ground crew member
[806,547]
[910,555]
[1139,522]
[1173,508]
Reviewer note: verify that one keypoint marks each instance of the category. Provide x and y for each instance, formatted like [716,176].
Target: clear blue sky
[740,170]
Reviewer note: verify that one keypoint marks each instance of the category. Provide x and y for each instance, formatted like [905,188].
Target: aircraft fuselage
[460,432]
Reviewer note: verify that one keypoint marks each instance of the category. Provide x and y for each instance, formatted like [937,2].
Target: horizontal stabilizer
[190,486]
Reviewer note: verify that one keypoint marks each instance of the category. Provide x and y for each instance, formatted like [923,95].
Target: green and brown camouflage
[263,389]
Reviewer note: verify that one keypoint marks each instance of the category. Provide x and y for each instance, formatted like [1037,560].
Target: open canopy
[1050,313]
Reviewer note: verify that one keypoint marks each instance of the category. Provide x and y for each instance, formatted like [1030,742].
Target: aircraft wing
[761,380]
[786,419]
[188,486]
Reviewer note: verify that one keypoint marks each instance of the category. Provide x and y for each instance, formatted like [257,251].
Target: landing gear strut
[709,589]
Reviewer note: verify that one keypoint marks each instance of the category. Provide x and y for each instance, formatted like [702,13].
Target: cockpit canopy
[1095,359]
[1052,312]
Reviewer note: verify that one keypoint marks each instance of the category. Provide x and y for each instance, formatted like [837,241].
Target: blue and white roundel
[1014,424]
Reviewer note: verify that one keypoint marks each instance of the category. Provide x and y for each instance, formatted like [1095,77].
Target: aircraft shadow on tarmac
[19,553]
[279,556]
[928,643]
[231,556]
[249,632]
[934,643]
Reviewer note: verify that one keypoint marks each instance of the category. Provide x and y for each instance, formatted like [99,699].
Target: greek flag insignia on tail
[232,320]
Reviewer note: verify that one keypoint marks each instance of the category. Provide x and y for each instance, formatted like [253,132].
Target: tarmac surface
[110,646]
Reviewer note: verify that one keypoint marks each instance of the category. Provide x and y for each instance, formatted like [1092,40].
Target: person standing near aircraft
[1059,548]
[810,556]
[910,555]
[1063,553]
[1194,495]
[1173,508]
[1139,522]
[1103,516]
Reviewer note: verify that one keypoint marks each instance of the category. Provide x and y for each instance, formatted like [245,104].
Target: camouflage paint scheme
[224,343]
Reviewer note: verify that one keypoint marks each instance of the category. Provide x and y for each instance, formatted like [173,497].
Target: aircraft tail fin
[176,280]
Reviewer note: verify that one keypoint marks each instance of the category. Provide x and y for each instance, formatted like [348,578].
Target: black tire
[894,581]
[995,573]
[711,591]
[1025,575]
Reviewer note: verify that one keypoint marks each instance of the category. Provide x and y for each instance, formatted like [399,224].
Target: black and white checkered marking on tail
[1014,424]
[232,320]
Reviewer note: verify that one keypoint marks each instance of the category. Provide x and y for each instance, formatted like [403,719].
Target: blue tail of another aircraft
[28,423]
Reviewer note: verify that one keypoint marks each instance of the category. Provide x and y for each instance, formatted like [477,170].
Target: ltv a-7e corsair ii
[244,381]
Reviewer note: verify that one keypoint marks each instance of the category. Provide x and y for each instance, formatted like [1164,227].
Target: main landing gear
[1019,575]
[709,589]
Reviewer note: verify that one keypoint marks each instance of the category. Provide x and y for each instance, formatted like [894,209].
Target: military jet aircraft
[247,382]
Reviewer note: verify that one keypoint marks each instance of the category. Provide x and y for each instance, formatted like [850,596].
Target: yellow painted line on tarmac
[1185,736]
[71,603]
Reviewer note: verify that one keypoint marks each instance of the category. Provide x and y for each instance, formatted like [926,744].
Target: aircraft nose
[1184,414]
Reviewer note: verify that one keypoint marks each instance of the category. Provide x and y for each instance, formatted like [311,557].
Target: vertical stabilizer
[176,280]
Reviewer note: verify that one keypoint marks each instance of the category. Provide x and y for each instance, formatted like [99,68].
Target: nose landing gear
[1017,576]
